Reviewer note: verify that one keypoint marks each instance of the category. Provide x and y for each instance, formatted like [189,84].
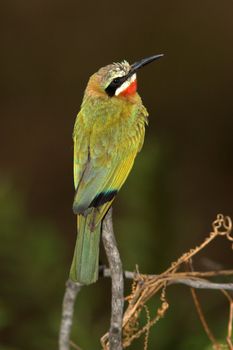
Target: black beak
[111,88]
[137,65]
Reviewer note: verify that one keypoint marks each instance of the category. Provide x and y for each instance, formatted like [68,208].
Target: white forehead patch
[125,85]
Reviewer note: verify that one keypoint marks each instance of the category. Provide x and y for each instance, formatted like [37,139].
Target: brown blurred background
[181,179]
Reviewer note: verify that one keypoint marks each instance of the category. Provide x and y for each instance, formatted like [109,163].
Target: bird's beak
[137,65]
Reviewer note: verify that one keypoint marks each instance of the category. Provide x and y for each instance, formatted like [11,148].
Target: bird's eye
[116,80]
[111,88]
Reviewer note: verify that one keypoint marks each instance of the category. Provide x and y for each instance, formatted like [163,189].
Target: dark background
[181,179]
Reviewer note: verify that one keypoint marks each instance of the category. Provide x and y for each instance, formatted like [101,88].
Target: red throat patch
[130,90]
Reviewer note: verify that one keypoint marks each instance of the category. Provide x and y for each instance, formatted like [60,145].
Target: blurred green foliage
[32,269]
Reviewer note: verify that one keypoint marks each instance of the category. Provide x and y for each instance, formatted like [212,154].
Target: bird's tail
[85,264]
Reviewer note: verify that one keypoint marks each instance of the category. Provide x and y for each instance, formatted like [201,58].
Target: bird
[108,134]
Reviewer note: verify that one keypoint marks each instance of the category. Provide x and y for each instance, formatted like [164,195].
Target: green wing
[98,185]
[103,158]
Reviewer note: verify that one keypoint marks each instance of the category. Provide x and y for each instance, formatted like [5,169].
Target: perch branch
[115,332]
[71,292]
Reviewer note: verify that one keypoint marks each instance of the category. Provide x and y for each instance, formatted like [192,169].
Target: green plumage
[85,264]
[108,134]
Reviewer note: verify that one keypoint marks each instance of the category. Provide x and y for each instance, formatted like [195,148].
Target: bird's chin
[129,87]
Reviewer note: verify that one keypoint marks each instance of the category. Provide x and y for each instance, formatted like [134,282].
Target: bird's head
[119,79]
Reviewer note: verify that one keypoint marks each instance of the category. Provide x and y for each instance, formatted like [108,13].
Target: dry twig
[146,286]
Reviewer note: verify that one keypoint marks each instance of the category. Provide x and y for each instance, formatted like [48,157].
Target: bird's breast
[116,135]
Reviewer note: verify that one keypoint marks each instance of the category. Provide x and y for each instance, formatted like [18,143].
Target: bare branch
[202,284]
[115,332]
[71,292]
[190,281]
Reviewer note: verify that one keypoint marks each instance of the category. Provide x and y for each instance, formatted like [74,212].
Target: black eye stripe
[114,85]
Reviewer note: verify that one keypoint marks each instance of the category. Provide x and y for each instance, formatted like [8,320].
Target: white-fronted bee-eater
[108,133]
